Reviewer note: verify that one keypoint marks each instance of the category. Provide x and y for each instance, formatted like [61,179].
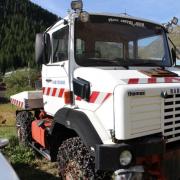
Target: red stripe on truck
[17,103]
[61,92]
[133,81]
[152,80]
[95,97]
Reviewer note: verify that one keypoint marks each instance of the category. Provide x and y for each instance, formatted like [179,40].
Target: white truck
[110,99]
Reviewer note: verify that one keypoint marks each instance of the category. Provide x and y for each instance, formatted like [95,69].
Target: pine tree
[20,20]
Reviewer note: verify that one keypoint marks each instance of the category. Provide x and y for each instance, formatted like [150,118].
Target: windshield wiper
[121,62]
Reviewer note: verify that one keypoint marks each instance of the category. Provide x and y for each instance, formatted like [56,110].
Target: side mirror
[42,48]
[39,48]
[81,88]
[169,26]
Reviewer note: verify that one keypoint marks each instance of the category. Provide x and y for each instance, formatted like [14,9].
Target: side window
[60,44]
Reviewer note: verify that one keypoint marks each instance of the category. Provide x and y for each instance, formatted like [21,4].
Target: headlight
[125,158]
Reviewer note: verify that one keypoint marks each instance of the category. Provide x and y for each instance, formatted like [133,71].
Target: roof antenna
[125,13]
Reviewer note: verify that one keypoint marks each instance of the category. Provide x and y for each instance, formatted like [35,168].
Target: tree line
[20,20]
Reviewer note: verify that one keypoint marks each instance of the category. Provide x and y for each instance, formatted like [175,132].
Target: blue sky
[157,10]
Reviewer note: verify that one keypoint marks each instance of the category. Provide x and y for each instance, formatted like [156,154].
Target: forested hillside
[20,20]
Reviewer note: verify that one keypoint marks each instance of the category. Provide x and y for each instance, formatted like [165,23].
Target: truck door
[55,74]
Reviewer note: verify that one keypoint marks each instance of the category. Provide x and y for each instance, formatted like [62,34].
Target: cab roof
[127,16]
[121,15]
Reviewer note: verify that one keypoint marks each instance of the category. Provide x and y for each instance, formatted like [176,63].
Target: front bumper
[107,156]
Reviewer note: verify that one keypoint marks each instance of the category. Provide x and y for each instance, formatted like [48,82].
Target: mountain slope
[175,36]
[20,20]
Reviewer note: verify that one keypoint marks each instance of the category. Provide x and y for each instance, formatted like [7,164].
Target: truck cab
[111,96]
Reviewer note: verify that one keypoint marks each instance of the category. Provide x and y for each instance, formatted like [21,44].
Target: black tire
[76,163]
[23,125]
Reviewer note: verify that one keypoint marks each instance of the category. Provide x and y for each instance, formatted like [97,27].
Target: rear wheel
[23,124]
[76,163]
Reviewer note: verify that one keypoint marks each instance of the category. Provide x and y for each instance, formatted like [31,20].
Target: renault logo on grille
[164,94]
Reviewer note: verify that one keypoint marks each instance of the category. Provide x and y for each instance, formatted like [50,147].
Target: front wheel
[76,163]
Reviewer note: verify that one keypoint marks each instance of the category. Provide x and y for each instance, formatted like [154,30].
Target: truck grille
[145,114]
[172,117]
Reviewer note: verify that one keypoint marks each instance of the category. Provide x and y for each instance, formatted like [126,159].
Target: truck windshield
[112,41]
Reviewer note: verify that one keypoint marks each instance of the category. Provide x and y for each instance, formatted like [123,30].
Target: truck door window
[60,44]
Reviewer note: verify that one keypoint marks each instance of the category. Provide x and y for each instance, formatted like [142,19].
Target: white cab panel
[55,83]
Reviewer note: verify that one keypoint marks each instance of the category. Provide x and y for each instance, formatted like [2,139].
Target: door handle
[48,80]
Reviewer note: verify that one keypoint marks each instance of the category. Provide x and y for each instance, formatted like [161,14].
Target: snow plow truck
[109,106]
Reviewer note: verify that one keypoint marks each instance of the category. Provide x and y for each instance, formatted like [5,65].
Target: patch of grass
[27,165]
[24,160]
[7,120]
[7,131]
[7,114]
[18,153]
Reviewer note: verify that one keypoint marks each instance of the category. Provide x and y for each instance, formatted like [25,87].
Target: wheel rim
[75,161]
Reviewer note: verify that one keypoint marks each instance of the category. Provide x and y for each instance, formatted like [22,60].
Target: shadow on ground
[27,172]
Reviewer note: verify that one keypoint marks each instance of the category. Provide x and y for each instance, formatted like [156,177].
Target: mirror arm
[172,43]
